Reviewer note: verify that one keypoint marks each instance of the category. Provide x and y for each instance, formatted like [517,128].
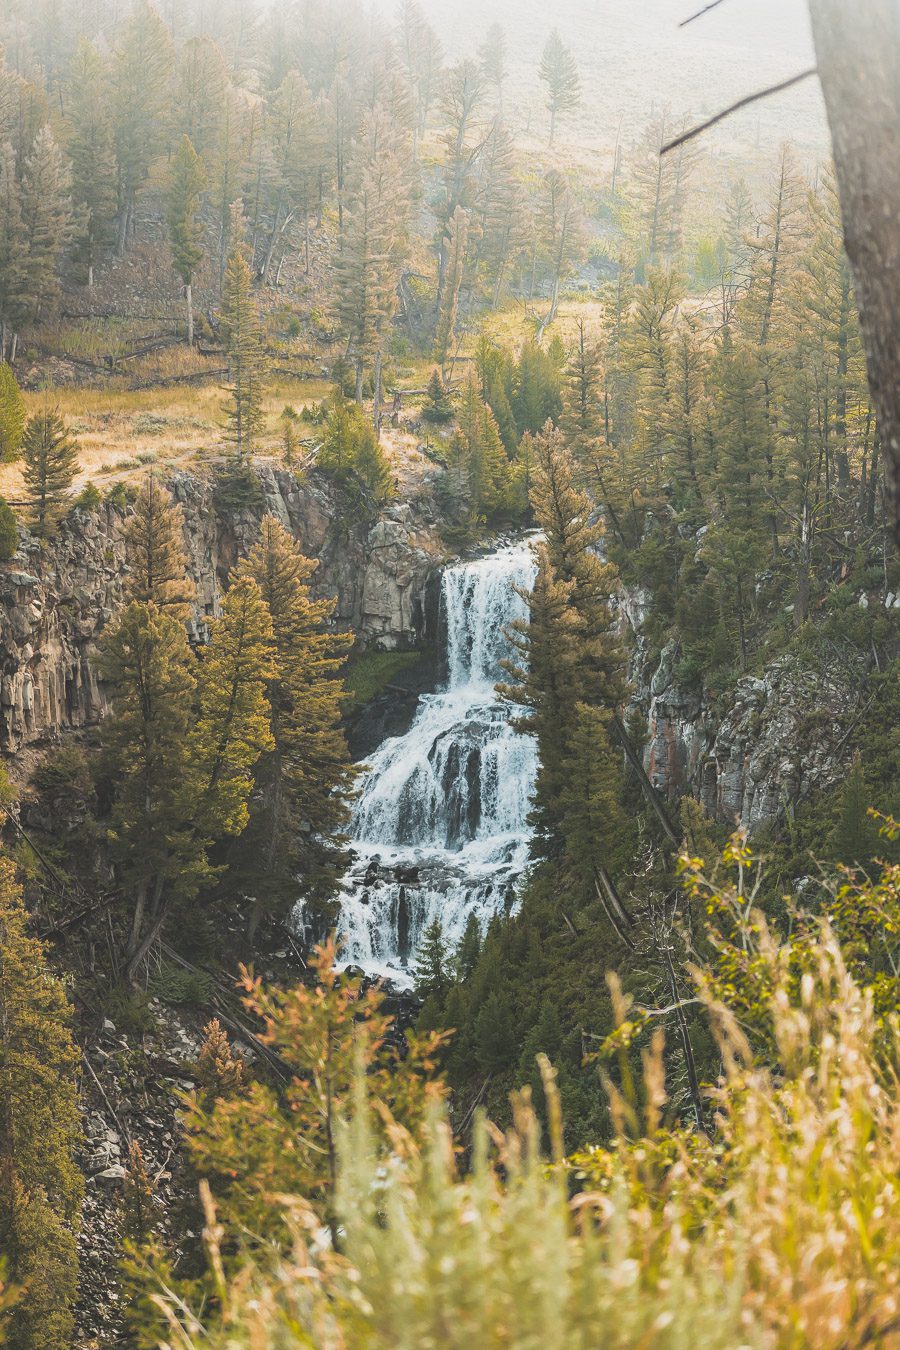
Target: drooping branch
[714,4]
[744,102]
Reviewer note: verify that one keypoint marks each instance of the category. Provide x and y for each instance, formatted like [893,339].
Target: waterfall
[439,827]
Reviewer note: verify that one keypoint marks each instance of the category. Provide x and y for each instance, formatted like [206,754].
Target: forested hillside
[449,636]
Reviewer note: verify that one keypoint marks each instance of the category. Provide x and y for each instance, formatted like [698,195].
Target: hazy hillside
[634,59]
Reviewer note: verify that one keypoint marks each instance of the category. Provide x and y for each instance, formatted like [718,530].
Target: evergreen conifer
[12,415]
[50,463]
[154,545]
[40,1185]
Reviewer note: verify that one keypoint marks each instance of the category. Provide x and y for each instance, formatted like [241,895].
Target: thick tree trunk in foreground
[858,52]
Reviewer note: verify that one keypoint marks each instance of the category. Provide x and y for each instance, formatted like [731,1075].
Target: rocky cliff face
[54,603]
[751,752]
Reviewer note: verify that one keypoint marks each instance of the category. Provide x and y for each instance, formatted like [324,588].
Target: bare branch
[735,107]
[700,12]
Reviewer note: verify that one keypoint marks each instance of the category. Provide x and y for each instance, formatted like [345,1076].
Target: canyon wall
[55,601]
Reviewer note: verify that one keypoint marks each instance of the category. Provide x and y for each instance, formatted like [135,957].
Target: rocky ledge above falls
[54,603]
[752,751]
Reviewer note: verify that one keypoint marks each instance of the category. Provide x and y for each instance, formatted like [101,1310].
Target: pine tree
[141,70]
[484,461]
[90,148]
[12,416]
[220,1072]
[492,55]
[300,157]
[374,244]
[154,547]
[457,238]
[495,1038]
[14,297]
[466,956]
[146,660]
[559,73]
[50,464]
[536,390]
[501,213]
[295,833]
[559,237]
[187,181]
[290,442]
[351,453]
[432,960]
[420,56]
[437,407]
[40,1185]
[593,822]
[243,338]
[232,724]
[201,94]
[735,547]
[574,655]
[9,531]
[854,840]
[139,1203]
[582,418]
[659,191]
[47,216]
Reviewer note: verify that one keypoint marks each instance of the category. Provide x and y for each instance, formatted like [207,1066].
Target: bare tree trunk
[858,53]
[189,301]
[377,400]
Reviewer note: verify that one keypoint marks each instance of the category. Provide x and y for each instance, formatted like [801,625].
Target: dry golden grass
[120,431]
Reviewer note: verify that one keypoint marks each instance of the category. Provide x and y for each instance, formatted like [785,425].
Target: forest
[449,652]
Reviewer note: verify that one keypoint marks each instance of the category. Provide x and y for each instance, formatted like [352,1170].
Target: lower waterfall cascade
[439,828]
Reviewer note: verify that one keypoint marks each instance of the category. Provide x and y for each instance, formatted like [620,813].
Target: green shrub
[9,531]
[175,985]
[89,498]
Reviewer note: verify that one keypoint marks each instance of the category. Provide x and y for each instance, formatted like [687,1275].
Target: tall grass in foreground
[782,1228]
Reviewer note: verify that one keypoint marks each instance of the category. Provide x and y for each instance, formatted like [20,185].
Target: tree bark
[858,54]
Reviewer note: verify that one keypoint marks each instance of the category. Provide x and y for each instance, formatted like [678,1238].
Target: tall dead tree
[858,54]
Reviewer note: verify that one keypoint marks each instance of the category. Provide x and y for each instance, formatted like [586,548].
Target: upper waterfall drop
[439,829]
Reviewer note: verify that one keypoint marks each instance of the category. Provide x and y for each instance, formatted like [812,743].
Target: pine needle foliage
[9,531]
[245,350]
[40,1185]
[220,1072]
[50,464]
[295,834]
[232,722]
[139,1203]
[154,546]
[261,1143]
[12,415]
[559,75]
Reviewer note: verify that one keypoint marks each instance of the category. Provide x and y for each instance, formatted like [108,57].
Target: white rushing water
[439,828]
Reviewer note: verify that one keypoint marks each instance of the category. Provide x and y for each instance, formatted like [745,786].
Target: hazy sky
[633,56]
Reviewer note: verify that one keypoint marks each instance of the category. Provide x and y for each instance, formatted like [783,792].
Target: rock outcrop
[755,750]
[55,602]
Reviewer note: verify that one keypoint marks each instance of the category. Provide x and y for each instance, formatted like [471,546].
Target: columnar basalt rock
[55,602]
